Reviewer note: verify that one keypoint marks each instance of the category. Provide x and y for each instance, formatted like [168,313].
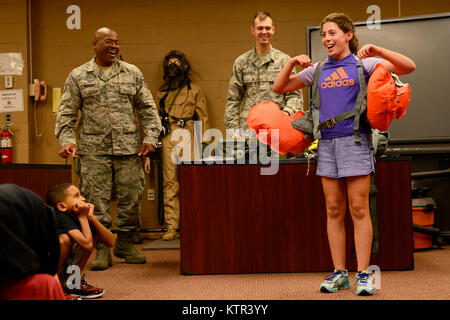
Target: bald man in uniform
[107,92]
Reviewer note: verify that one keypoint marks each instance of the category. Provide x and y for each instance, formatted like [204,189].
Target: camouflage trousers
[100,174]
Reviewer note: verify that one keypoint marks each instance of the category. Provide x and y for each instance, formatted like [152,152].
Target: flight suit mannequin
[183,102]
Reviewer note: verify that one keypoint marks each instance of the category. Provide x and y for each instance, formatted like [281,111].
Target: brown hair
[344,23]
[261,15]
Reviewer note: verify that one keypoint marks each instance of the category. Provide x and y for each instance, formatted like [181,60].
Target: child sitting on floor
[77,229]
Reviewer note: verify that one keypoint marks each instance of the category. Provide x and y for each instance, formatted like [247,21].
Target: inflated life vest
[387,97]
[384,97]
[268,115]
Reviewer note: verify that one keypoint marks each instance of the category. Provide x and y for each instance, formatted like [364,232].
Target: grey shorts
[342,157]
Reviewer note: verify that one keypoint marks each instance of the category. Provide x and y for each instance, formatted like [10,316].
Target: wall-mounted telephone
[40,90]
[40,95]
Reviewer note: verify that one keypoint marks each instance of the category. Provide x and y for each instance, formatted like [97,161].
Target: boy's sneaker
[86,291]
[335,281]
[68,296]
[364,285]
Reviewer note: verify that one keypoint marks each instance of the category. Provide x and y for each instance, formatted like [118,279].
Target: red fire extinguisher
[6,146]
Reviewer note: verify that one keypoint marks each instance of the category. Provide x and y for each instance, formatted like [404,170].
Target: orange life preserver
[267,115]
[387,98]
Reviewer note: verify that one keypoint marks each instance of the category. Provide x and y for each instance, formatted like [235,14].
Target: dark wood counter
[36,177]
[234,220]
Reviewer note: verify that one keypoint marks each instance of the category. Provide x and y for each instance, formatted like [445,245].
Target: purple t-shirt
[338,89]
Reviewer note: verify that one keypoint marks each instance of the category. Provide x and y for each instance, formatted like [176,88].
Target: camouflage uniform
[109,139]
[251,83]
[189,104]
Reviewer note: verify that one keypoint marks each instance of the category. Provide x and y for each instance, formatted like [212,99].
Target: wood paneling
[37,178]
[234,220]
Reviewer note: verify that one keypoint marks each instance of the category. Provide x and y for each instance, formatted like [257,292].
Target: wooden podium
[235,220]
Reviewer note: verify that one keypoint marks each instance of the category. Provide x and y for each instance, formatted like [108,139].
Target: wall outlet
[9,83]
[56,99]
[31,89]
[150,194]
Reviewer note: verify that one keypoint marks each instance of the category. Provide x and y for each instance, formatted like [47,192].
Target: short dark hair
[56,194]
[261,15]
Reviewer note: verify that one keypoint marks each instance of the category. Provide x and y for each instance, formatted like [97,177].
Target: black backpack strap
[330,123]
[361,101]
[374,215]
[315,97]
[315,101]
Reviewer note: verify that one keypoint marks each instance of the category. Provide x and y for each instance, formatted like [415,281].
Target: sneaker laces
[332,276]
[85,284]
[363,278]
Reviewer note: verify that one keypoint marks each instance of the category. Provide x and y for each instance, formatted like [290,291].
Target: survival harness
[165,117]
[309,122]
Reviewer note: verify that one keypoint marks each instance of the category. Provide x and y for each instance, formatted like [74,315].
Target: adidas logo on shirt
[337,79]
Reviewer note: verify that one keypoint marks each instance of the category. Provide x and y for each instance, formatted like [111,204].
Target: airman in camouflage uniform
[253,75]
[107,92]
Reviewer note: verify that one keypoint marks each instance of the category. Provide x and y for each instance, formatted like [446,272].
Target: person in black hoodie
[29,247]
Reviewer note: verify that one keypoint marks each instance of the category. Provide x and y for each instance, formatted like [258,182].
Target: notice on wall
[11,63]
[11,100]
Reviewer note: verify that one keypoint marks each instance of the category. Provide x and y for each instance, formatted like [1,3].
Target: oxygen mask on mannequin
[174,69]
